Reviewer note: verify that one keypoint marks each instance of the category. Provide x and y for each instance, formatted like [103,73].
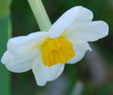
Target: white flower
[47,52]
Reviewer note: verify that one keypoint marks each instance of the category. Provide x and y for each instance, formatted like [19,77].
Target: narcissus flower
[47,52]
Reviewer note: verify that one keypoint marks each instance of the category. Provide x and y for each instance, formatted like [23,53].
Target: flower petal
[80,50]
[21,45]
[16,64]
[87,31]
[44,73]
[75,14]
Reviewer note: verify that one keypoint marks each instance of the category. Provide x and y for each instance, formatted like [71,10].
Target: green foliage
[5,33]
[5,30]
[4,7]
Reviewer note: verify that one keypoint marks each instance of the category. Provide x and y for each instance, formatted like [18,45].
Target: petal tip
[106,26]
[41,84]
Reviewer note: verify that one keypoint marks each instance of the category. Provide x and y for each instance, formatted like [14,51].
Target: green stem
[40,14]
[5,30]
[5,33]
[4,8]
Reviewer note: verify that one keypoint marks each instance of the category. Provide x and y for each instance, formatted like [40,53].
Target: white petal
[44,73]
[75,14]
[80,50]
[21,52]
[16,64]
[87,31]
[21,45]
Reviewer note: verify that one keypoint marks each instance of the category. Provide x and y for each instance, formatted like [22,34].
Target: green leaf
[5,33]
[4,8]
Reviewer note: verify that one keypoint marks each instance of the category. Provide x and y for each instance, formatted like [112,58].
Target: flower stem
[40,14]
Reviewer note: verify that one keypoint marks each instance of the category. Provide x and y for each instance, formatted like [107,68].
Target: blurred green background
[91,76]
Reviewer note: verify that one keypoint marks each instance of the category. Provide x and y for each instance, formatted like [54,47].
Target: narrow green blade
[5,29]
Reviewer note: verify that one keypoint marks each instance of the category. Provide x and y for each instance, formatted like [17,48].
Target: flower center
[57,50]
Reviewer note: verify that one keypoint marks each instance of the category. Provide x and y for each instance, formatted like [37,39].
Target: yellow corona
[57,50]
